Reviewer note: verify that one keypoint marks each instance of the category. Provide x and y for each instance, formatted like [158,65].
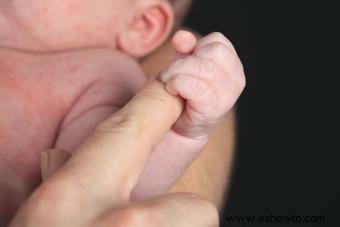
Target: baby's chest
[34,99]
[37,95]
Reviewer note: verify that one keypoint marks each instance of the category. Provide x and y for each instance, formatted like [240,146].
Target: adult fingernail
[52,160]
[44,165]
[56,159]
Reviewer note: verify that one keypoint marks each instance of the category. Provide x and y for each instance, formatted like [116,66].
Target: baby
[67,65]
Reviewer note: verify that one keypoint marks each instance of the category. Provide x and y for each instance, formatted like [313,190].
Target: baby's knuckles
[224,57]
[231,75]
[202,68]
[216,37]
[220,67]
[219,49]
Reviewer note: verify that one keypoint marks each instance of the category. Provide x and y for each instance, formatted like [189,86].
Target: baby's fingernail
[44,165]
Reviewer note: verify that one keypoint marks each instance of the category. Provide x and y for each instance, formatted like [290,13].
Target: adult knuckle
[125,187]
[126,123]
[111,123]
[43,201]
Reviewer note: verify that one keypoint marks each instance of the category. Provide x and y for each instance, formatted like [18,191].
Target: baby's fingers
[184,43]
[202,68]
[199,94]
[215,37]
[222,55]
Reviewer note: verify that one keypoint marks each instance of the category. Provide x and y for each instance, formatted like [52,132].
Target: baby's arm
[215,159]
[210,77]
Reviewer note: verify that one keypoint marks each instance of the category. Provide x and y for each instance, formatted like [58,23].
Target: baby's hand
[209,75]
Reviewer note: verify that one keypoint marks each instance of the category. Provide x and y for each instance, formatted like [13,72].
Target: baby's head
[135,27]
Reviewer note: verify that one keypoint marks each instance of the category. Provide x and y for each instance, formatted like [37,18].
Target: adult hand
[93,188]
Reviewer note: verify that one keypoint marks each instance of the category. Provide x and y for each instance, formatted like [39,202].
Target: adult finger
[180,210]
[108,164]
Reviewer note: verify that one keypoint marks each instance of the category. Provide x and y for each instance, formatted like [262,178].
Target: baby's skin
[56,98]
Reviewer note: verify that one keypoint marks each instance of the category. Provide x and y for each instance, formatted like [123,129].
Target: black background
[287,158]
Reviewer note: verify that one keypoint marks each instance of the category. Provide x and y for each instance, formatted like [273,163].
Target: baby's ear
[147,30]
